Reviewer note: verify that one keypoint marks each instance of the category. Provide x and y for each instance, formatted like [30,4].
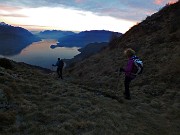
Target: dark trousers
[126,84]
[59,72]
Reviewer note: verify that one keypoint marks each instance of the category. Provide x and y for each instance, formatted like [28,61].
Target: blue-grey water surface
[40,54]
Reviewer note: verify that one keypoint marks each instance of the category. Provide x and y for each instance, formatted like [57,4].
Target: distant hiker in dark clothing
[60,65]
[133,68]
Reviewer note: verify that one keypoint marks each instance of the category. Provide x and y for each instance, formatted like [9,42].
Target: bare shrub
[5,63]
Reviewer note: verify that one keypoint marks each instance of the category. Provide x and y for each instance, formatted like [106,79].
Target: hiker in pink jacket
[133,68]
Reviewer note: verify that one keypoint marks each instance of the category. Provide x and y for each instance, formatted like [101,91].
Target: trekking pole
[118,79]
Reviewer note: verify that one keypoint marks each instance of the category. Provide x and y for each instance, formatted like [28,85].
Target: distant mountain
[87,51]
[83,38]
[54,34]
[3,24]
[14,39]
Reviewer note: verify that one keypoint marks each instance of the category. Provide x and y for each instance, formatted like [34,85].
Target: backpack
[139,65]
[60,64]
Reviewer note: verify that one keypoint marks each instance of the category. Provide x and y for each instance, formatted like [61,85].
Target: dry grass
[41,104]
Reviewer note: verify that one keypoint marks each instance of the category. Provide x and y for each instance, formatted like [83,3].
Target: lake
[40,53]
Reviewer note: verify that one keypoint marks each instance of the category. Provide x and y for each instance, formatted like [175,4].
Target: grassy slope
[40,104]
[33,102]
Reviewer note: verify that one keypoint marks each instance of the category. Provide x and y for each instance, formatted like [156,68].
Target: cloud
[129,10]
[10,11]
[79,1]
[172,1]
[9,8]
[162,2]
[12,15]
[123,9]
[158,2]
[34,26]
[129,14]
[68,19]
[31,27]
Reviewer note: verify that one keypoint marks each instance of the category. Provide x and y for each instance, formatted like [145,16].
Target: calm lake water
[40,54]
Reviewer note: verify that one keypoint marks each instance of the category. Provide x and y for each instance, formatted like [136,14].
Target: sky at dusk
[78,15]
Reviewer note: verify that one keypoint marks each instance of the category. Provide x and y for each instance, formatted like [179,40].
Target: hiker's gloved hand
[121,69]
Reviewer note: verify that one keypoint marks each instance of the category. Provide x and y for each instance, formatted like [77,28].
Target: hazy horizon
[40,30]
[78,15]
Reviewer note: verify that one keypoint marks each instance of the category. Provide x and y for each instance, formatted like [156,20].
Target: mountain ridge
[85,37]
[9,35]
[53,34]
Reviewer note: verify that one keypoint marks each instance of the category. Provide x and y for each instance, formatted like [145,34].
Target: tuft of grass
[7,119]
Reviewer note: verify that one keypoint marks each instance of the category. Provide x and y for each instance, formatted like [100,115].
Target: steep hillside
[156,41]
[14,39]
[87,51]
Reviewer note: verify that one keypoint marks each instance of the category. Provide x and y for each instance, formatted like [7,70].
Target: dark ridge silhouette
[83,38]
[86,52]
[14,39]
[54,34]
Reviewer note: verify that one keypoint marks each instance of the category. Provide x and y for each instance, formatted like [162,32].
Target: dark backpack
[60,64]
[139,65]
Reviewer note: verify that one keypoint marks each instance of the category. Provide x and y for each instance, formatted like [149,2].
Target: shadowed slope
[36,103]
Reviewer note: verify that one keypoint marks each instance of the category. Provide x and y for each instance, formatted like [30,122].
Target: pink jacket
[129,68]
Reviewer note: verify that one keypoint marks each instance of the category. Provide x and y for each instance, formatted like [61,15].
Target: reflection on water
[40,53]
